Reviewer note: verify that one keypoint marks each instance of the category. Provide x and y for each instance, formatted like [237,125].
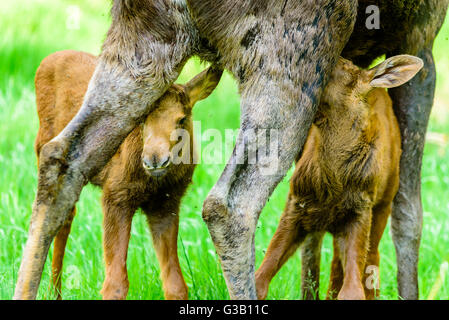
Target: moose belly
[398,19]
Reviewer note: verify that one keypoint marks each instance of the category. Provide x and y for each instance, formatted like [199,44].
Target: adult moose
[282,53]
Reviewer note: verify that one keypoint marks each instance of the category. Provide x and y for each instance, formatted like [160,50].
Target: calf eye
[182,121]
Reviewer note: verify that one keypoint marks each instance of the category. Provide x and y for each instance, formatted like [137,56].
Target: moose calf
[347,176]
[142,174]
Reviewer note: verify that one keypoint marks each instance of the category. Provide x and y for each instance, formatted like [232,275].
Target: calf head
[345,97]
[173,111]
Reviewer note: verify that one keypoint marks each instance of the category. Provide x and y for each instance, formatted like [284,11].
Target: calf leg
[58,254]
[378,224]
[336,276]
[117,230]
[412,104]
[353,248]
[286,240]
[310,270]
[164,225]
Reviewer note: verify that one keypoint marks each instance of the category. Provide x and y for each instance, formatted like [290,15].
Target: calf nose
[148,164]
[164,163]
[155,163]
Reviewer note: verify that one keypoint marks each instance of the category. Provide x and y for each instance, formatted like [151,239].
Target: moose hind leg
[353,245]
[310,266]
[371,279]
[412,104]
[336,275]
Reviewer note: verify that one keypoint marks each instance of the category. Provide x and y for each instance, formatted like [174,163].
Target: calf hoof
[180,294]
[351,294]
[175,287]
[114,291]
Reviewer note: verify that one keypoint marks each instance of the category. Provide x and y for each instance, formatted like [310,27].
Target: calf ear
[202,85]
[394,71]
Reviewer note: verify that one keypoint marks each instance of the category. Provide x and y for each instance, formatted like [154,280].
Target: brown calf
[142,174]
[347,177]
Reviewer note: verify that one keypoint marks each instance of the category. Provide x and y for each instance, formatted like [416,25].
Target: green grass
[32,29]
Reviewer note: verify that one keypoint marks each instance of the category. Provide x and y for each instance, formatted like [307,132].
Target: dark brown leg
[164,223]
[117,229]
[286,240]
[353,246]
[58,254]
[310,270]
[336,276]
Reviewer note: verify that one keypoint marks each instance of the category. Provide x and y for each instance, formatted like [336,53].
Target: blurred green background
[33,29]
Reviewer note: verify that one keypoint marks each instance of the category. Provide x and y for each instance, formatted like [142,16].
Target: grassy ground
[32,29]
